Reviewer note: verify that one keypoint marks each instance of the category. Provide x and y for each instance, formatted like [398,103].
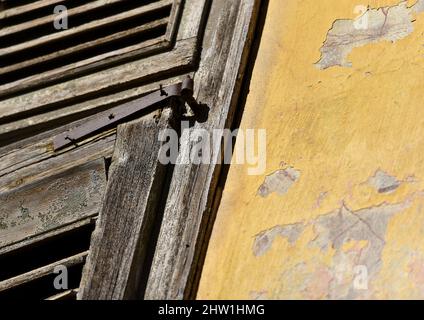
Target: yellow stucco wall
[351,223]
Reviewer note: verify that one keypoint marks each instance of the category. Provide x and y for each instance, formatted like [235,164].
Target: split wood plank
[40,237]
[29,170]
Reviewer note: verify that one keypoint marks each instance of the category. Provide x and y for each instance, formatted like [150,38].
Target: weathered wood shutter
[50,200]
[102,32]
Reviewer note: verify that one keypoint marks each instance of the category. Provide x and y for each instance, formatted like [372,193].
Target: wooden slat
[102,102]
[173,20]
[66,295]
[50,18]
[84,46]
[41,272]
[27,8]
[193,17]
[51,202]
[50,234]
[192,190]
[180,58]
[29,170]
[80,29]
[119,242]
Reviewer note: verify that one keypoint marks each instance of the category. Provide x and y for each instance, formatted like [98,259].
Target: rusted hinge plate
[182,90]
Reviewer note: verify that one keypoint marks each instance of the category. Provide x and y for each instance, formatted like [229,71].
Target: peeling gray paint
[332,231]
[383,182]
[56,200]
[264,240]
[343,225]
[380,24]
[279,182]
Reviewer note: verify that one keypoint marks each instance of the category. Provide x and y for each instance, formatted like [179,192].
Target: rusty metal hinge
[182,91]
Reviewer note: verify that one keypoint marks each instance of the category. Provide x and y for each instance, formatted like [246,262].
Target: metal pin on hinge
[182,91]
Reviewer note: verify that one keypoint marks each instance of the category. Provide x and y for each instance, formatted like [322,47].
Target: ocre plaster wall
[339,212]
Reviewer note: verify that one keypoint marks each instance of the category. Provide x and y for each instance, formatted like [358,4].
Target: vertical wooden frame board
[119,243]
[226,47]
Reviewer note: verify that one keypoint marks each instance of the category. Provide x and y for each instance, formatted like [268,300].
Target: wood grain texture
[192,19]
[43,236]
[45,105]
[35,162]
[218,80]
[119,242]
[51,202]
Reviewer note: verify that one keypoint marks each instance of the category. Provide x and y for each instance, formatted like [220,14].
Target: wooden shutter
[114,51]
[207,40]
[101,32]
[80,87]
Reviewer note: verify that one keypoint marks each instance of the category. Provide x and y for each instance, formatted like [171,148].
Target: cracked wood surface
[350,225]
[119,243]
[51,202]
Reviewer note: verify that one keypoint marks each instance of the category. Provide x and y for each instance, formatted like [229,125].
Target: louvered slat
[27,8]
[84,46]
[42,272]
[28,272]
[32,51]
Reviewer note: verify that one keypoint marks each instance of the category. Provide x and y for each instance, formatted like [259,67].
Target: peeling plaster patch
[383,182]
[358,240]
[280,182]
[263,241]
[342,226]
[385,23]
[318,284]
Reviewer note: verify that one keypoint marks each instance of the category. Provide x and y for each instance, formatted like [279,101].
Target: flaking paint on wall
[386,23]
[356,135]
